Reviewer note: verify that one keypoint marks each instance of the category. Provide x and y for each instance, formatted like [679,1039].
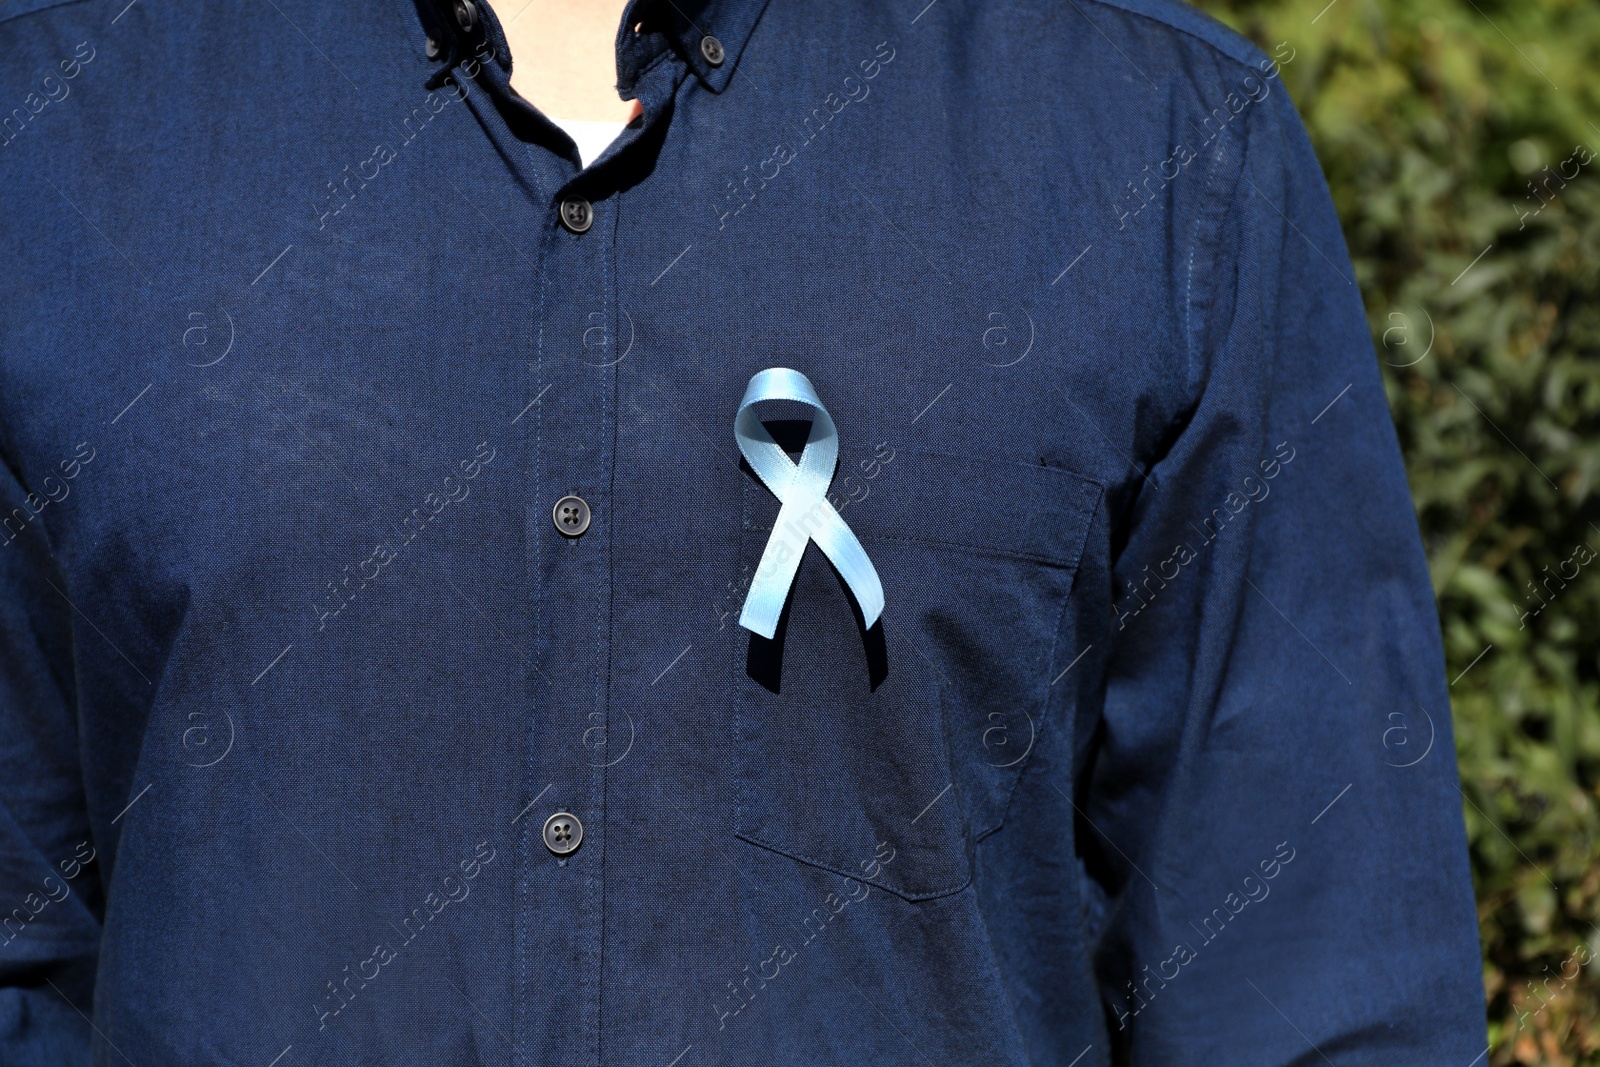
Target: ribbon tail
[780,561]
[841,545]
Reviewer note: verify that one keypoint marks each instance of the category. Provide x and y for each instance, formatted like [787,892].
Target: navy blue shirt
[327,738]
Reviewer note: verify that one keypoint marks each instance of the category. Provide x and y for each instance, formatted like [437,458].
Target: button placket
[570,438]
[570,435]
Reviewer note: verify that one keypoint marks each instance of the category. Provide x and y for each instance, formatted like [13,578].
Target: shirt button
[571,515]
[576,214]
[466,16]
[431,48]
[712,49]
[563,833]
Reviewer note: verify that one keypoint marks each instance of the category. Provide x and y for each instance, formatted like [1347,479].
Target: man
[901,559]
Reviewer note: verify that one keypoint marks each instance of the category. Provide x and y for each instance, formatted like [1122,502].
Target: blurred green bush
[1450,129]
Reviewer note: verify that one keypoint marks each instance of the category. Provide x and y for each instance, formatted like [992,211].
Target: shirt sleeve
[49,892]
[1271,811]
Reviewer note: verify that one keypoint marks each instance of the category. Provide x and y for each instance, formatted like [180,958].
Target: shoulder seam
[1212,217]
[1243,59]
[1226,203]
[23,12]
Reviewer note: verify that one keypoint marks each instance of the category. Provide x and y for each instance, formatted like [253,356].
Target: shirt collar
[687,24]
[680,25]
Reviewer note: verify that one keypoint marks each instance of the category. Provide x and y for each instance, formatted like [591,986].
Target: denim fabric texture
[1148,760]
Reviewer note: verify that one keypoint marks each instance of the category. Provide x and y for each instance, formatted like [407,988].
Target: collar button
[712,50]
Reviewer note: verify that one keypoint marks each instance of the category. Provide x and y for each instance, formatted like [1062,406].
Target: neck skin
[564,58]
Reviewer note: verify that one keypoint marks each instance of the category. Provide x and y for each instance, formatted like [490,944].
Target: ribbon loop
[805,515]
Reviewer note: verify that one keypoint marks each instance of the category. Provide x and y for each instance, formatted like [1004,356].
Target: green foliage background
[1431,118]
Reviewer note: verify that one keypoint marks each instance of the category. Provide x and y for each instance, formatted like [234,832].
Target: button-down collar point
[684,22]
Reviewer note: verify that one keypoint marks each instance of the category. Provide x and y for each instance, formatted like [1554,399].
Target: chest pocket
[885,755]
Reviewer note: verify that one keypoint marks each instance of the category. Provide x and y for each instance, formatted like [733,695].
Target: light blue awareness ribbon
[806,514]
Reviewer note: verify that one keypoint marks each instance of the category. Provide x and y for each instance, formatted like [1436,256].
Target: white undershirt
[591,137]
